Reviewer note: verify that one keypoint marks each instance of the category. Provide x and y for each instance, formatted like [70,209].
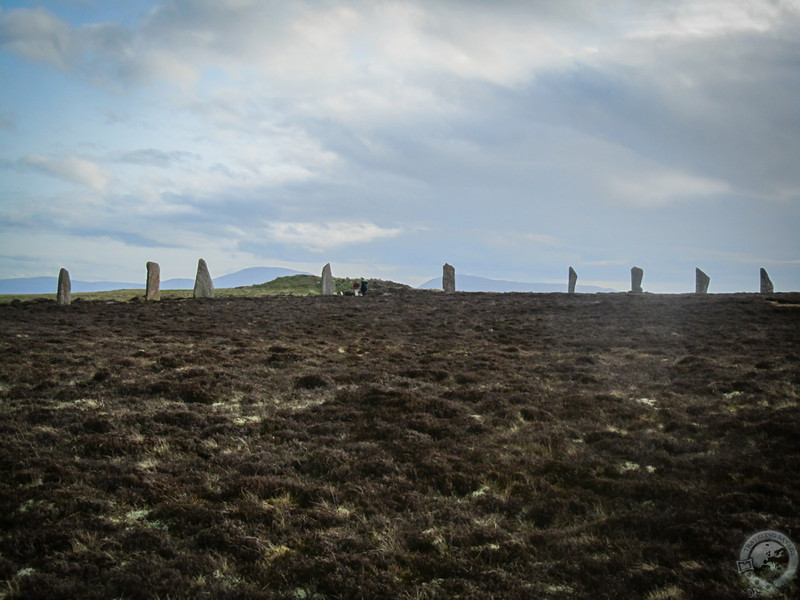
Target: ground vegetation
[407,444]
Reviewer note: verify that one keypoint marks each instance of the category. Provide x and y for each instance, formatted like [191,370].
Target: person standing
[356,288]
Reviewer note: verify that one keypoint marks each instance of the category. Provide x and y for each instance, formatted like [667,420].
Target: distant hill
[471,283]
[48,285]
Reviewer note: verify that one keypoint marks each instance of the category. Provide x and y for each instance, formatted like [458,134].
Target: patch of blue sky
[30,98]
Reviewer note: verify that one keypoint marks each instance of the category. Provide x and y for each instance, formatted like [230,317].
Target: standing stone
[153,282]
[203,285]
[448,279]
[766,283]
[701,281]
[636,280]
[327,281]
[573,279]
[64,295]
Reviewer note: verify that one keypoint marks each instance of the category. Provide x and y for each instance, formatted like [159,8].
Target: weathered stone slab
[636,280]
[448,278]
[153,291]
[328,287]
[701,281]
[64,294]
[203,284]
[766,283]
[573,279]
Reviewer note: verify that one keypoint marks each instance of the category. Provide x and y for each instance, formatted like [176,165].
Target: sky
[511,139]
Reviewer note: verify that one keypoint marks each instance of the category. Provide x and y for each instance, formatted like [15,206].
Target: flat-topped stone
[766,282]
[448,278]
[64,294]
[573,279]
[327,281]
[636,280]
[153,290]
[701,281]
[203,284]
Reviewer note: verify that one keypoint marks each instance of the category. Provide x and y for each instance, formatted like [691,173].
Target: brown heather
[412,445]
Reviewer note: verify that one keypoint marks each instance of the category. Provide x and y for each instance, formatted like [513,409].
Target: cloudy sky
[510,138]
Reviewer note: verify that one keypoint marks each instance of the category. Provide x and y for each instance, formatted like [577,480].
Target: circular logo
[768,561]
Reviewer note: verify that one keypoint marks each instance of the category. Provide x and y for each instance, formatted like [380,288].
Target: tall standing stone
[573,279]
[636,280]
[64,295]
[766,282]
[701,281]
[327,281]
[153,291]
[203,285]
[448,278]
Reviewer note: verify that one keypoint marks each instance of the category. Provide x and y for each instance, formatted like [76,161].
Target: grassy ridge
[292,285]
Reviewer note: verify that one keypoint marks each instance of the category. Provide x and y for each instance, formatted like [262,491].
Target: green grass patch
[292,285]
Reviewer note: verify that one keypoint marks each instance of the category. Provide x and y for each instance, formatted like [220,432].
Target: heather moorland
[406,444]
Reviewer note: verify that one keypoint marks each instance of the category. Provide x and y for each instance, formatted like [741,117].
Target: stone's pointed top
[636,280]
[573,278]
[448,278]
[328,287]
[64,294]
[766,282]
[203,284]
[701,281]
[153,288]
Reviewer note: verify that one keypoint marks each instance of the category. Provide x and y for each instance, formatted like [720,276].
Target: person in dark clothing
[363,288]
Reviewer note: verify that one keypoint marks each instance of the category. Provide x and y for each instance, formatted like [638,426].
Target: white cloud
[323,236]
[658,188]
[715,18]
[455,114]
[111,259]
[380,56]
[72,168]
[38,35]
[481,43]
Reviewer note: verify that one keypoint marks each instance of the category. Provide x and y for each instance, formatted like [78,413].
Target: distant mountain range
[471,283]
[48,285]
